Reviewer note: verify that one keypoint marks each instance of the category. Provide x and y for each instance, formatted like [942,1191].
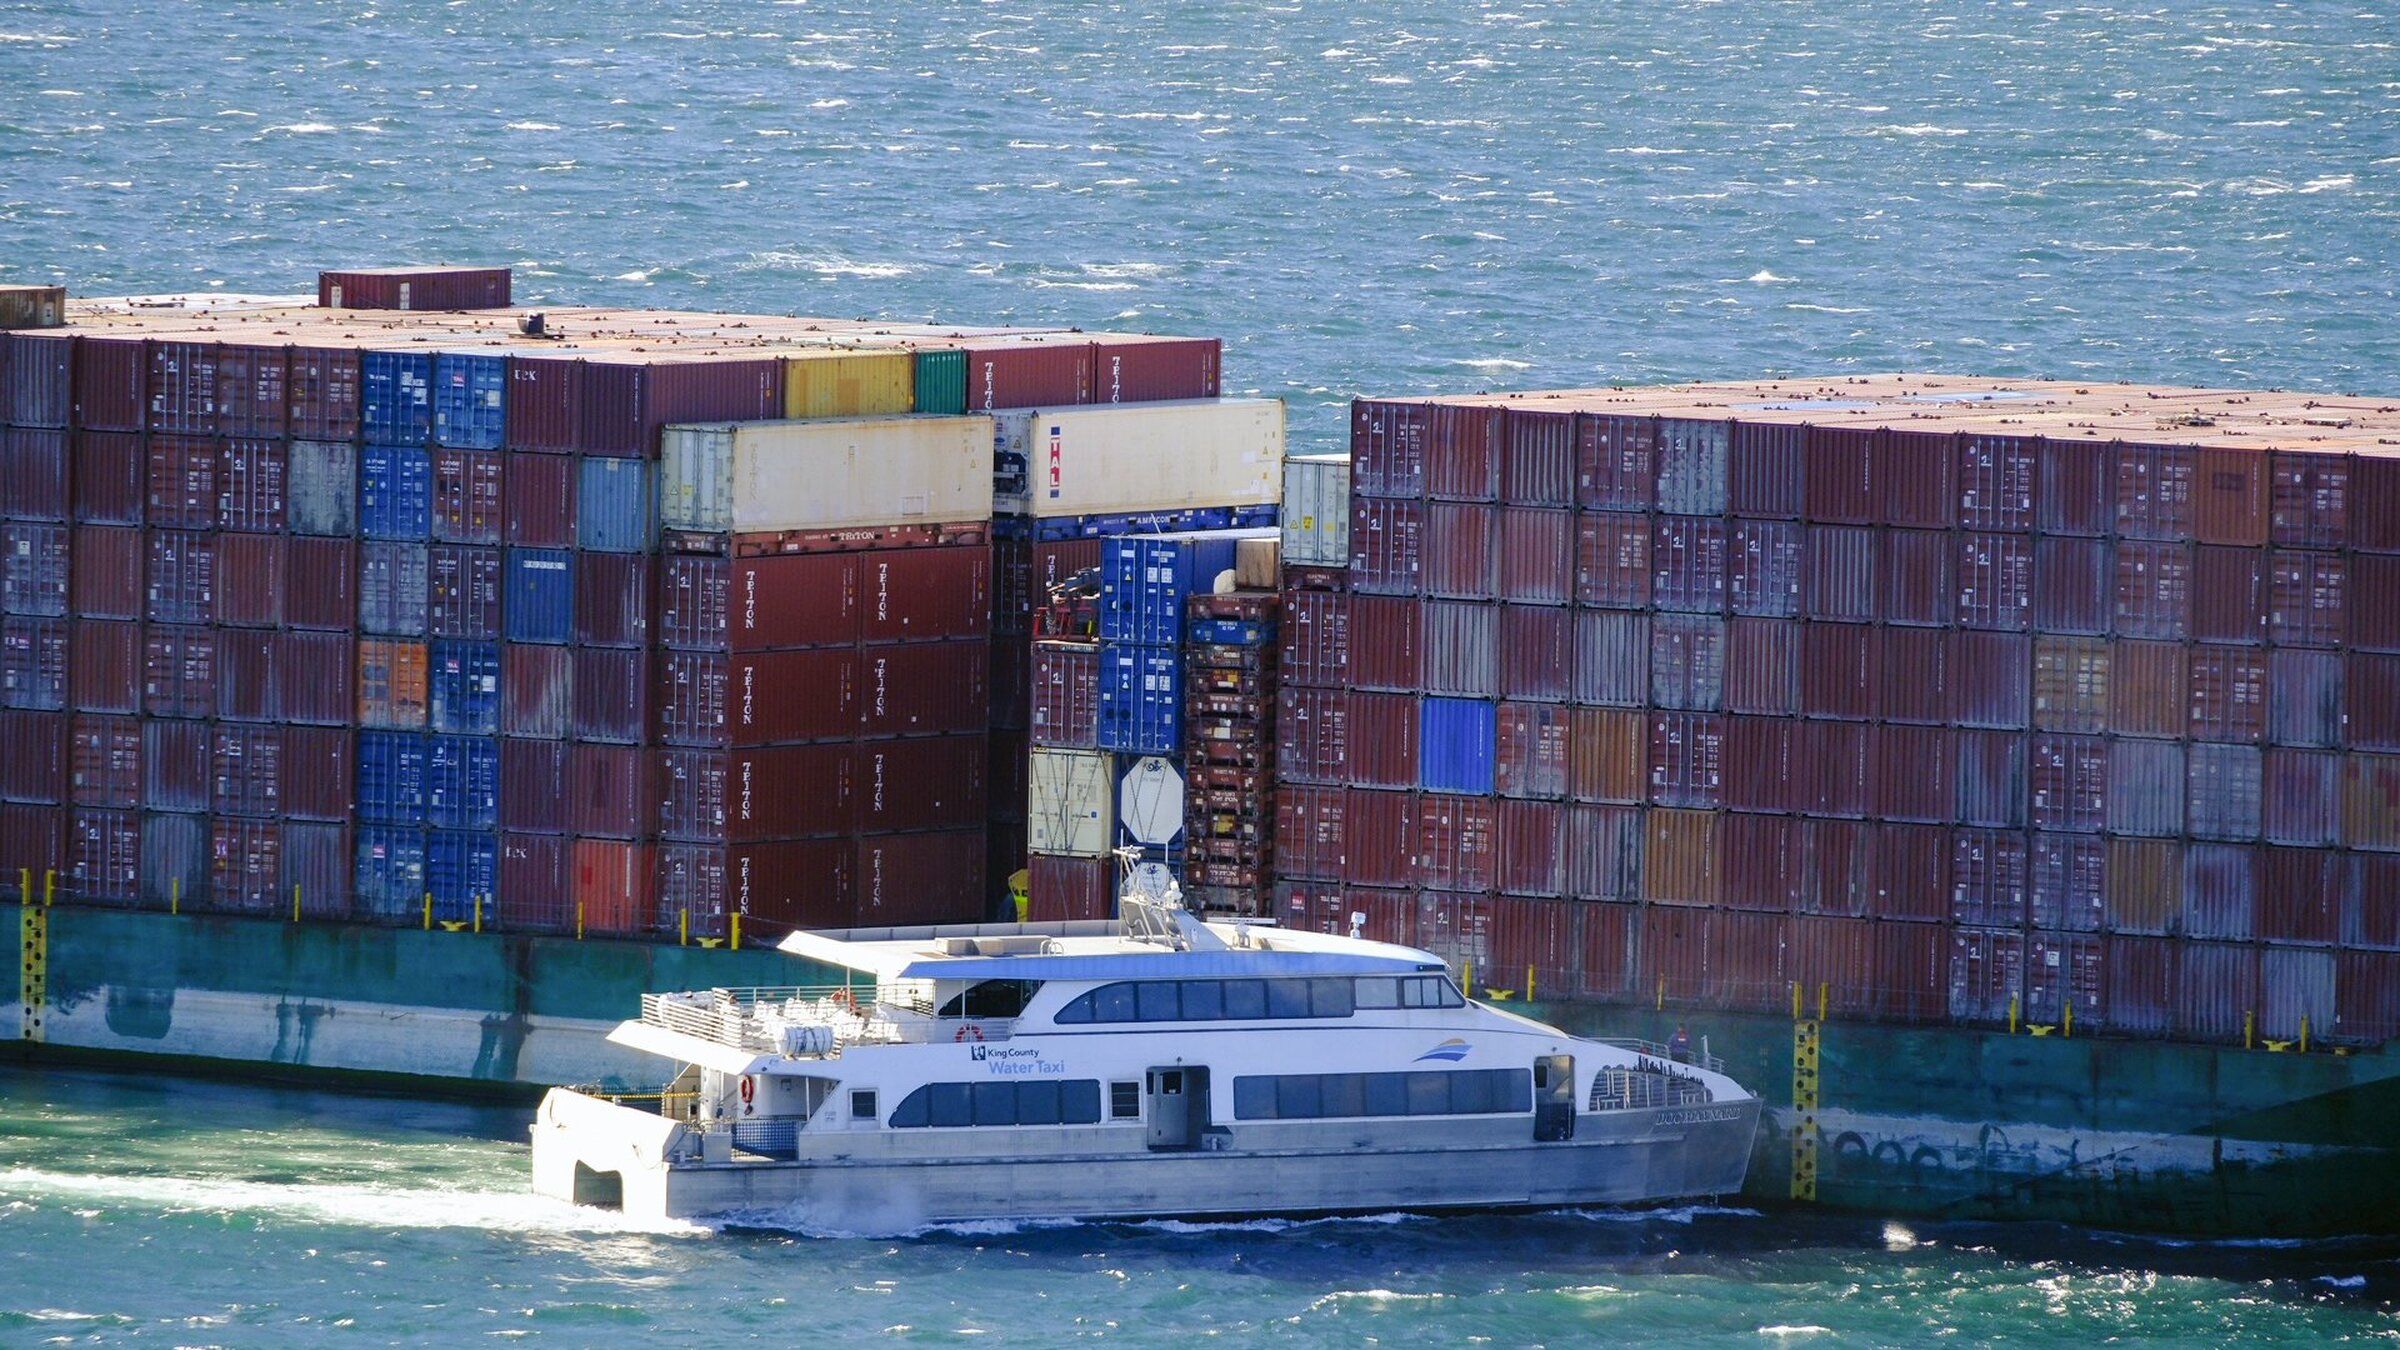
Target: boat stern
[588,1150]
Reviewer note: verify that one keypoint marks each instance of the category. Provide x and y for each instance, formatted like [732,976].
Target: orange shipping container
[391,683]
[1680,858]
[1608,755]
[2146,689]
[2143,890]
[614,885]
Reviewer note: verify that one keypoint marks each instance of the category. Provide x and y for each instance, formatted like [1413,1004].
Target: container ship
[2002,775]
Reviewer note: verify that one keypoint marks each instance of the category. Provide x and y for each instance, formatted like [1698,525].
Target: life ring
[749,1090]
[968,1031]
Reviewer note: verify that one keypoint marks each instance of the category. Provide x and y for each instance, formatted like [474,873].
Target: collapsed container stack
[387,613]
[1950,700]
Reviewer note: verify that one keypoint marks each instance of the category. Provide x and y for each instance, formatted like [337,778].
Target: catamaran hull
[592,1151]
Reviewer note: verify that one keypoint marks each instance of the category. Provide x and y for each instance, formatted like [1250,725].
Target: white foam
[367,1206]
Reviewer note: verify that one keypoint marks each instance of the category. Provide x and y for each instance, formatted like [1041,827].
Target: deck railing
[1694,1056]
[756,1019]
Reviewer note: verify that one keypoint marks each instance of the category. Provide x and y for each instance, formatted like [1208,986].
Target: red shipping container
[536,894]
[245,770]
[2300,895]
[1763,861]
[1612,561]
[924,689]
[1143,370]
[250,576]
[1747,961]
[1991,877]
[253,390]
[1387,546]
[1835,862]
[180,584]
[2141,976]
[1990,679]
[1840,487]
[1538,456]
[1312,735]
[2216,997]
[1991,778]
[318,867]
[1687,752]
[1616,463]
[692,596]
[534,795]
[2228,694]
[537,500]
[1310,842]
[111,472]
[928,783]
[178,671]
[2308,598]
[106,572]
[2220,892]
[1537,552]
[2154,589]
[2373,608]
[2300,793]
[1386,643]
[909,879]
[469,505]
[1066,694]
[700,697]
[1995,481]
[321,783]
[1995,582]
[1762,666]
[611,695]
[37,386]
[1915,578]
[104,761]
[1915,773]
[251,475]
[1763,562]
[1314,640]
[2074,585]
[1838,670]
[111,375]
[543,394]
[1380,829]
[2154,491]
[2063,969]
[35,836]
[182,478]
[1768,465]
[615,886]
[763,604]
[1916,478]
[1387,448]
[104,666]
[1837,574]
[1532,751]
[324,385]
[1762,771]
[246,683]
[415,288]
[2367,997]
[2229,594]
[1382,738]
[2077,493]
[33,474]
[1987,975]
[1021,373]
[1687,662]
[33,663]
[1605,965]
[1537,652]
[918,594]
[2371,700]
[175,766]
[2231,497]
[2308,499]
[315,677]
[1687,564]
[1604,846]
[608,791]
[615,598]
[537,692]
[776,888]
[245,868]
[1069,890]
[103,857]
[463,591]
[1462,454]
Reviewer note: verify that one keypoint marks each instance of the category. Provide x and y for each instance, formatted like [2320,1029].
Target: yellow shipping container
[849,384]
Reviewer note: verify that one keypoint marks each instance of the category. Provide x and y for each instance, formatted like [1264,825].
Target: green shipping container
[942,382]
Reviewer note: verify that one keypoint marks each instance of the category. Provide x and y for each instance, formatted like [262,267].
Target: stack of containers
[1070,788]
[823,692]
[1962,726]
[1229,749]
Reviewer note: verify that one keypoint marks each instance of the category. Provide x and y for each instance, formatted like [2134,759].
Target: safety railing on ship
[1697,1058]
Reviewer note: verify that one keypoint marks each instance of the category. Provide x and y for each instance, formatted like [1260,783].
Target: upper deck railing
[1696,1057]
[809,1021]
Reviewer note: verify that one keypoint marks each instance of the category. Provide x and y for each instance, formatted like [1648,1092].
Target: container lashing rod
[1806,1041]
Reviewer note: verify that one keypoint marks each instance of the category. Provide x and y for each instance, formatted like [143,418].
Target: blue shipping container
[391,871]
[540,603]
[470,400]
[392,589]
[1144,580]
[461,868]
[395,492]
[395,397]
[391,777]
[614,512]
[1232,632]
[464,677]
[1457,744]
[1255,517]
[462,783]
[1141,699]
[1139,522]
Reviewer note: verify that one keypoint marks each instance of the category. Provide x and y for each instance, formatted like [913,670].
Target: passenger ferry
[1154,1067]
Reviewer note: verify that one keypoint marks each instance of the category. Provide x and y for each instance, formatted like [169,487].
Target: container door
[1178,1107]
[1553,1098]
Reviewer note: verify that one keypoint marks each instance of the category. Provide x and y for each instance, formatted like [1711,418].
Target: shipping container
[392,770]
[392,589]
[623,404]
[469,400]
[1460,551]
[1150,809]
[462,874]
[611,699]
[2217,992]
[2154,589]
[1461,648]
[462,685]
[39,387]
[2229,590]
[321,488]
[2077,487]
[1315,636]
[182,482]
[1603,853]
[1995,481]
[34,477]
[1533,753]
[245,771]
[539,598]
[322,783]
[462,782]
[252,477]
[468,495]
[104,666]
[1071,807]
[389,880]
[180,581]
[104,571]
[1381,832]
[1612,561]
[1987,975]
[845,474]
[396,397]
[174,765]
[1387,448]
[2063,971]
[395,492]
[253,394]
[1145,580]
[1457,842]
[34,568]
[1316,510]
[250,588]
[325,394]
[104,761]
[110,475]
[1456,745]
[1688,564]
[1387,546]
[1692,466]
[103,857]
[110,379]
[1141,699]
[415,288]
[248,689]
[2074,585]
[1066,694]
[314,677]
[1916,578]
[33,663]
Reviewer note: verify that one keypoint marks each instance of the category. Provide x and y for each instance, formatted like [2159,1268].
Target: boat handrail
[1695,1057]
[759,1018]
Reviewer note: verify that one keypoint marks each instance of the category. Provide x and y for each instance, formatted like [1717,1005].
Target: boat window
[1245,1000]
[1412,993]
[1112,1003]
[1156,1001]
[1124,1101]
[1440,1092]
[1287,998]
[1377,991]
[992,998]
[1329,998]
[1203,1001]
[1043,1103]
[862,1105]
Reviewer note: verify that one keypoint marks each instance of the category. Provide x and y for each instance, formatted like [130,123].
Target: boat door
[1178,1106]
[1553,1098]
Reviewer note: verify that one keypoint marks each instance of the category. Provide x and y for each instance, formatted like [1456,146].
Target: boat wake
[364,1205]
[791,1223]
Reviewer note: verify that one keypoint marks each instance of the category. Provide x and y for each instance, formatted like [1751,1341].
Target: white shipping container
[825,474]
[1316,510]
[1115,459]
[1070,808]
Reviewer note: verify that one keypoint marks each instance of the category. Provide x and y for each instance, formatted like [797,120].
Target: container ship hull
[1914,1122]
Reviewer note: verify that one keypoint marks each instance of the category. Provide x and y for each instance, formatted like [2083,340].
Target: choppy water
[1423,194]
[191,1213]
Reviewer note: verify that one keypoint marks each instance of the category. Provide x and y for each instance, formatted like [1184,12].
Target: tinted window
[1124,1100]
[1387,1094]
[1254,1098]
[995,1103]
[911,1110]
[1412,993]
[1245,1000]
[1329,998]
[1037,1103]
[1296,1096]
[1378,991]
[862,1106]
[1203,1000]
[992,998]
[1287,998]
[1077,1009]
[1428,1094]
[950,1104]
[1079,1102]
[1473,1093]
[1113,1003]
[1345,1094]
[1157,1001]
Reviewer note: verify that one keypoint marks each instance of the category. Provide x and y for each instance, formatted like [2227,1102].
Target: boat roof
[1098,951]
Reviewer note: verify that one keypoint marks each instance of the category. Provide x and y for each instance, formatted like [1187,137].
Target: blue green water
[187,1213]
[1361,198]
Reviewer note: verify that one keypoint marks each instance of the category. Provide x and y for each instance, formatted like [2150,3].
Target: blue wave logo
[1450,1051]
